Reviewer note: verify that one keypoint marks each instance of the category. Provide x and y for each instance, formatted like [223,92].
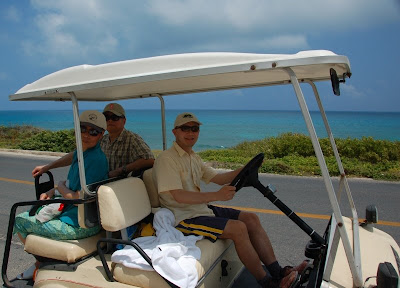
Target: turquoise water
[226,128]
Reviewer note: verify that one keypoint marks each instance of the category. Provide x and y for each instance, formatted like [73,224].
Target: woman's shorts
[53,229]
[209,227]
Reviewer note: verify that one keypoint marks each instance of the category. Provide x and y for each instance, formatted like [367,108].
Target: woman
[65,226]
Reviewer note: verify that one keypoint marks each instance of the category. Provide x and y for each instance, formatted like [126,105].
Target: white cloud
[12,14]
[276,15]
[352,91]
[283,43]
[85,31]
[71,31]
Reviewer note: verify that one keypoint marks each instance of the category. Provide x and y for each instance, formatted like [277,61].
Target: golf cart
[348,254]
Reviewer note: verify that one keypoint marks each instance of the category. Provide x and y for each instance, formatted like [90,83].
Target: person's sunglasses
[92,132]
[113,117]
[185,128]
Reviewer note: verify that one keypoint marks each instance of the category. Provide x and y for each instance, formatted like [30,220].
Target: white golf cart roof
[182,73]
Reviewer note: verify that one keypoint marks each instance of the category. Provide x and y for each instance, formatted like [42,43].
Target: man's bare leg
[258,237]
[261,242]
[237,231]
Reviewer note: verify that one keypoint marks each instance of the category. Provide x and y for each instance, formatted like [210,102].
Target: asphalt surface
[304,195]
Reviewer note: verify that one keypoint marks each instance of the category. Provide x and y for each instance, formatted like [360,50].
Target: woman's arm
[62,162]
[66,192]
[47,195]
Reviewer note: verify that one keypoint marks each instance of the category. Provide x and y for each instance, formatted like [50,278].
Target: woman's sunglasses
[185,128]
[113,117]
[92,132]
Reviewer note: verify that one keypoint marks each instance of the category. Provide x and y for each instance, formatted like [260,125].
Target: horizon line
[202,109]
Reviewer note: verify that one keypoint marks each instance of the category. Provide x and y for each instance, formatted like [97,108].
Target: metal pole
[79,149]
[357,278]
[164,134]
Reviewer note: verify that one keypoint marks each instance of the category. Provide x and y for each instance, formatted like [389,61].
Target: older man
[125,151]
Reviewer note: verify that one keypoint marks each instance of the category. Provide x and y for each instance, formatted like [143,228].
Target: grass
[289,153]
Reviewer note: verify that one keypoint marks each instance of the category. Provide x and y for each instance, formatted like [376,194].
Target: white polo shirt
[176,169]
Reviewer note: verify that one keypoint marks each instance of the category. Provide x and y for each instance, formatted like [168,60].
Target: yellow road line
[17,181]
[304,215]
[265,211]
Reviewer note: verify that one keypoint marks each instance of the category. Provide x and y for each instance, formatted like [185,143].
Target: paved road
[305,195]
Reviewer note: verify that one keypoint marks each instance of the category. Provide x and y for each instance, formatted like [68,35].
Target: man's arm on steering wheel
[226,177]
[189,197]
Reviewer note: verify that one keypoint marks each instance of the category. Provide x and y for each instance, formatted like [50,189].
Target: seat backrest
[151,188]
[122,203]
[88,215]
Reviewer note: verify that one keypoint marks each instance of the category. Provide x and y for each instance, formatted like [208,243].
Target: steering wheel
[249,174]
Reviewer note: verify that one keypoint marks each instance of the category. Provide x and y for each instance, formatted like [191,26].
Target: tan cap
[114,108]
[185,118]
[93,119]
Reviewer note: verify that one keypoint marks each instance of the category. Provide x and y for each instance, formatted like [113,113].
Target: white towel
[173,254]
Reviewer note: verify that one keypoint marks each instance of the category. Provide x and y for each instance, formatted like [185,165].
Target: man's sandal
[278,283]
[300,268]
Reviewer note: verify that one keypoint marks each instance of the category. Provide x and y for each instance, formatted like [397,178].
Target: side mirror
[335,82]
[371,214]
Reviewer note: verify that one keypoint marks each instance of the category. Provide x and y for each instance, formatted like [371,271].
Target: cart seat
[212,254]
[70,251]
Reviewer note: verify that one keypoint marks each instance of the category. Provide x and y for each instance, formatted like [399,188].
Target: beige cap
[115,108]
[185,118]
[93,119]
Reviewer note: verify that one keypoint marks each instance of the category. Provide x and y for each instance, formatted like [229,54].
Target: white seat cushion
[210,252]
[151,188]
[64,250]
[122,203]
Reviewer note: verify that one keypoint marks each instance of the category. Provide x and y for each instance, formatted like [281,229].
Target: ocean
[227,128]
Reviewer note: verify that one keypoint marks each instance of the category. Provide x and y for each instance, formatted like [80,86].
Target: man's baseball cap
[115,108]
[94,119]
[185,118]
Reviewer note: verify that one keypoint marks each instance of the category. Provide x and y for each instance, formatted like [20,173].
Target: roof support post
[355,271]
[164,134]
[78,139]
[343,181]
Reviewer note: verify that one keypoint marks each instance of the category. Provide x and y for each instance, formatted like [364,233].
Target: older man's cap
[115,108]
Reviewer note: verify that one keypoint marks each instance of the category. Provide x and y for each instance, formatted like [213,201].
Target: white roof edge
[166,74]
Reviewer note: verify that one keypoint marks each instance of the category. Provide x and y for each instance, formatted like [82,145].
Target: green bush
[289,153]
[293,154]
[368,149]
[11,136]
[58,141]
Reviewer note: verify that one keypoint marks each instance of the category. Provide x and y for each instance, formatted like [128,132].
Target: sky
[39,37]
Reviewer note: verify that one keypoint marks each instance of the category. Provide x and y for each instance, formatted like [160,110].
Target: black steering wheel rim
[249,174]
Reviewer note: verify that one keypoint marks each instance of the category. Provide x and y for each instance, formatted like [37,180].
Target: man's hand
[115,173]
[226,193]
